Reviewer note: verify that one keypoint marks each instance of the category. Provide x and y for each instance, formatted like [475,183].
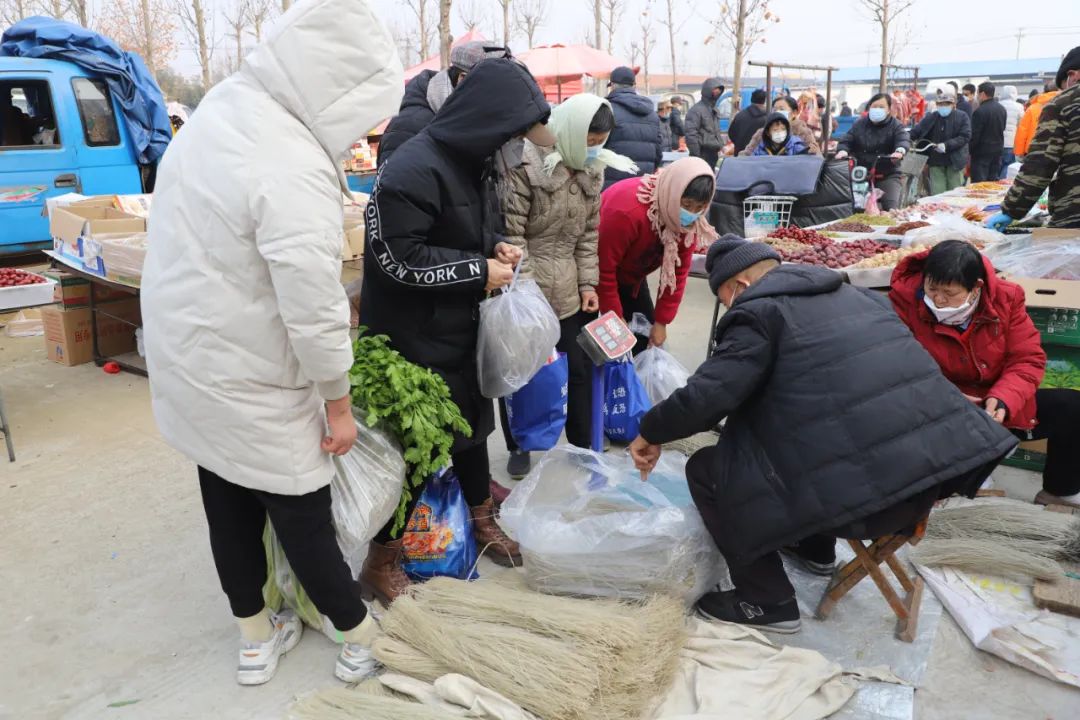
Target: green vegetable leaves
[411,402]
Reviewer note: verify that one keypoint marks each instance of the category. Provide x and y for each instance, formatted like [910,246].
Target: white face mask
[779,137]
[954,315]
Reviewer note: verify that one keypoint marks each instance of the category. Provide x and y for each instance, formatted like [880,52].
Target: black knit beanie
[730,255]
[1071,61]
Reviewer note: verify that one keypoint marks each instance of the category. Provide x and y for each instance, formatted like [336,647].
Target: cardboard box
[353,245]
[75,227]
[123,257]
[72,291]
[1054,307]
[68,333]
[1029,455]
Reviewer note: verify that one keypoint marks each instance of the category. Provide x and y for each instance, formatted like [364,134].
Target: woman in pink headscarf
[649,223]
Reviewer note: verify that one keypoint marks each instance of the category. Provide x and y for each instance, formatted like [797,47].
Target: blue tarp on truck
[127,76]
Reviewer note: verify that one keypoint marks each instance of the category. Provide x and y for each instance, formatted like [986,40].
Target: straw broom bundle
[560,658]
[985,555]
[1009,522]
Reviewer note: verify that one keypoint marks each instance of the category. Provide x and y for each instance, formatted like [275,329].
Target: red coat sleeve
[667,304]
[616,234]
[1025,359]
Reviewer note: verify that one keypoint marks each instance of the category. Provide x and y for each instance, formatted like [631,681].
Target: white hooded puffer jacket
[246,321]
[1013,112]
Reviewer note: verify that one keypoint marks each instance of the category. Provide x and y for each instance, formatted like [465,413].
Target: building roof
[977,68]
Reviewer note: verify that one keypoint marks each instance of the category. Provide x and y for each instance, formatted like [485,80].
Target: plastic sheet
[518,329]
[944,227]
[1051,259]
[588,525]
[660,373]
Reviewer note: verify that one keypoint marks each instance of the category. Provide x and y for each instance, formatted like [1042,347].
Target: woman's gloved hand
[998,221]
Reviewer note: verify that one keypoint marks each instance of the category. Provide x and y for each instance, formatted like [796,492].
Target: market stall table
[96,309]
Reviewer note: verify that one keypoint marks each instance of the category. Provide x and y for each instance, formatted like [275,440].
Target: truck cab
[61,131]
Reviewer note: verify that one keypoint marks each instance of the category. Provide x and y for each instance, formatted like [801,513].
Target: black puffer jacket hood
[708,86]
[629,100]
[637,134]
[834,412]
[414,116]
[496,101]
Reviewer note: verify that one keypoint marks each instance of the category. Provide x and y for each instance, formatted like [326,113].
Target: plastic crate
[764,213]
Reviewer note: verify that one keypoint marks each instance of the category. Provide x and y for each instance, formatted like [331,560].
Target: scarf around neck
[438,90]
[662,194]
[570,123]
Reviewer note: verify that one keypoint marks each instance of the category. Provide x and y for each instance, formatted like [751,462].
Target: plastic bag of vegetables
[518,328]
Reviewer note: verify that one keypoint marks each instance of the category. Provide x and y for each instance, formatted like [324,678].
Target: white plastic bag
[518,328]
[1051,259]
[660,373]
[588,525]
[952,227]
[365,491]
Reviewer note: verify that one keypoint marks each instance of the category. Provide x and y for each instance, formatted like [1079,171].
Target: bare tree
[648,41]
[598,18]
[446,40]
[470,14]
[147,27]
[285,5]
[81,9]
[633,51]
[406,43]
[259,13]
[884,12]
[12,11]
[196,21]
[236,20]
[614,10]
[531,14]
[743,22]
[54,8]
[421,9]
[505,6]
[674,27]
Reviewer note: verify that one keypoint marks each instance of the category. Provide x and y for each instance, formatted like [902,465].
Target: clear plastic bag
[1051,259]
[364,493]
[640,325]
[588,525]
[660,373]
[518,328]
[944,227]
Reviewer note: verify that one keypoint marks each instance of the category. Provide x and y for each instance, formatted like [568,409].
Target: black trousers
[1058,412]
[473,470]
[304,526]
[579,390]
[763,580]
[985,167]
[891,187]
[637,300]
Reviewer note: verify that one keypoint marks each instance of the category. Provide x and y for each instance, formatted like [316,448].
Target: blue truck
[61,131]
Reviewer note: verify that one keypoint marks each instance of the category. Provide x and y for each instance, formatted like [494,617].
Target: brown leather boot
[382,576]
[491,541]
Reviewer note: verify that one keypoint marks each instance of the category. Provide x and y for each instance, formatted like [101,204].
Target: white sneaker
[259,661]
[354,663]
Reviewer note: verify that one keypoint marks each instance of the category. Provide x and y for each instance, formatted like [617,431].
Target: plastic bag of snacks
[438,540]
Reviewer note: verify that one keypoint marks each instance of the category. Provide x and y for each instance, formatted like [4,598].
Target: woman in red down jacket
[649,223]
[976,326]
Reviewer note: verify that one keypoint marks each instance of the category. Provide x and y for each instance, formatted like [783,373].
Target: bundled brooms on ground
[558,658]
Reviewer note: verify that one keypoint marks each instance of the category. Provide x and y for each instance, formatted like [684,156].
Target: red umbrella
[435,61]
[563,63]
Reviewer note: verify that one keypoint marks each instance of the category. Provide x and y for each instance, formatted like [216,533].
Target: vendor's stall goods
[903,227]
[870,219]
[559,658]
[13,277]
[986,556]
[890,258]
[921,211]
[845,226]
[973,214]
[995,185]
[815,249]
[412,403]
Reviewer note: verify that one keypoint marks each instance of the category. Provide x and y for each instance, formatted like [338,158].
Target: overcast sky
[834,32]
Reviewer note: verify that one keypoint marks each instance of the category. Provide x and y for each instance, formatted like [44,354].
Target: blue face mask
[877,114]
[785,113]
[687,218]
[591,153]
[944,111]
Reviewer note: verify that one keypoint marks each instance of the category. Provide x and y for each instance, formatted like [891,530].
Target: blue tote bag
[625,401]
[537,412]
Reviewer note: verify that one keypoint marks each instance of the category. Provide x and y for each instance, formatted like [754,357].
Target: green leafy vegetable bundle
[412,403]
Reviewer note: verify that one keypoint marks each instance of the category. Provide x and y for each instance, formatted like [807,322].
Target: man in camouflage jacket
[1054,157]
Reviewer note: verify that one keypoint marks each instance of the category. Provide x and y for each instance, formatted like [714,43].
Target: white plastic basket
[764,213]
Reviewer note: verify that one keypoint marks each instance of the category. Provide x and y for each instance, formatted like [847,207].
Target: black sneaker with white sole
[820,565]
[726,606]
[519,464]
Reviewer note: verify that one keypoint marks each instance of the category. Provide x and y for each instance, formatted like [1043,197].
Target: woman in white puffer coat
[246,321]
[1014,111]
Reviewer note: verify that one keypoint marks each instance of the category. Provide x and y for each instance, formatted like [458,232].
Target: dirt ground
[114,609]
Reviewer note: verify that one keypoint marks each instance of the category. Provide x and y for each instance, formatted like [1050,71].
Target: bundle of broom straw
[1005,538]
[559,658]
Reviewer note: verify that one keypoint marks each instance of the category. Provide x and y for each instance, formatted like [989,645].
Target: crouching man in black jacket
[839,424]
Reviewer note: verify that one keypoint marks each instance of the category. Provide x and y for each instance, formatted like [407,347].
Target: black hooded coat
[431,227]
